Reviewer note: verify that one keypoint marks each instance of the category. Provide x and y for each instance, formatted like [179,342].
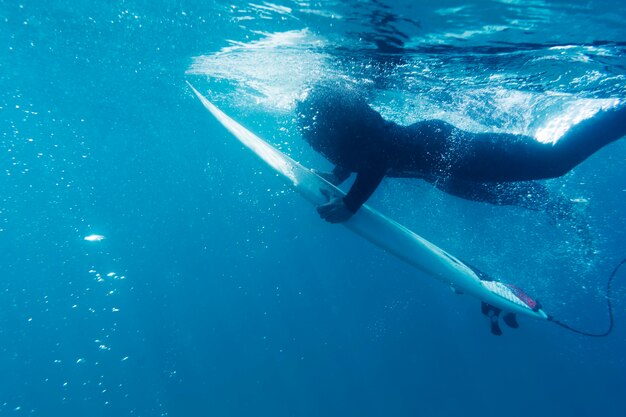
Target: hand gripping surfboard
[383,231]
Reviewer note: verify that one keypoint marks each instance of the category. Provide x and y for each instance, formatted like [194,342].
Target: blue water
[209,288]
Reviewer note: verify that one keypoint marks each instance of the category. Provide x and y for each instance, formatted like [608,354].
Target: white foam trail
[274,70]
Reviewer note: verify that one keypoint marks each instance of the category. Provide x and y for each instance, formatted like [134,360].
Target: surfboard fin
[495,327]
[511,320]
[494,314]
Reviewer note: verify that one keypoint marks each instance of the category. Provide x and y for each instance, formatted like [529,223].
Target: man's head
[336,121]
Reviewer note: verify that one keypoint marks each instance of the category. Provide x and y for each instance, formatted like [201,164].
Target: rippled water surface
[149,266]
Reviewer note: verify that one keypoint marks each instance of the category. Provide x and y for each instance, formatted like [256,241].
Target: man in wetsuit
[490,167]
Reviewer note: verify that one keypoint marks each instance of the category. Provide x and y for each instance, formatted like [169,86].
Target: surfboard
[383,231]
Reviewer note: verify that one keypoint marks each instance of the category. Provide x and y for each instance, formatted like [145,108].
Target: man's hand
[335,211]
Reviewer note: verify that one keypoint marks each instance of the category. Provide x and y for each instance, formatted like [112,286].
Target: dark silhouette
[496,168]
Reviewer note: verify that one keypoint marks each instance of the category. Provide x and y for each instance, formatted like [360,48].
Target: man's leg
[495,157]
[527,194]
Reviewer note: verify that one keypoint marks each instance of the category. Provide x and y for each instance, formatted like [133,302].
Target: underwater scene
[152,265]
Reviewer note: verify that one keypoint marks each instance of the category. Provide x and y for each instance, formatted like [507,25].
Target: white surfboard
[383,231]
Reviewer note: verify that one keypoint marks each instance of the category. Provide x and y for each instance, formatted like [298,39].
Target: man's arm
[339,210]
[363,187]
[341,174]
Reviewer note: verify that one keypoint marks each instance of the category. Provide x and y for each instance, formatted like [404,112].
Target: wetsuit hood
[338,123]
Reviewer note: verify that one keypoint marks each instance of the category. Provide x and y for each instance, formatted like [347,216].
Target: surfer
[496,168]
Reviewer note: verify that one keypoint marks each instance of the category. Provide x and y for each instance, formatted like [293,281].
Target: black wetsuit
[491,167]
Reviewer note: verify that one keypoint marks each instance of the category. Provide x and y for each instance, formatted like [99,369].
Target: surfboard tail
[517,300]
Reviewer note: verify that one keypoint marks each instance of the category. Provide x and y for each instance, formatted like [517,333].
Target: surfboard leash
[609,309]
